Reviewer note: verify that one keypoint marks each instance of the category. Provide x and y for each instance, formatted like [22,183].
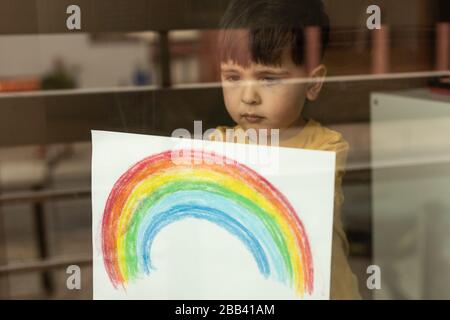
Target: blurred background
[147,66]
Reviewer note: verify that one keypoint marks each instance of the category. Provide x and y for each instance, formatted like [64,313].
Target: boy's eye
[232,78]
[271,80]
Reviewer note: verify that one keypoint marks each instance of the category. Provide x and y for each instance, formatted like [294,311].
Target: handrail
[42,195]
[42,265]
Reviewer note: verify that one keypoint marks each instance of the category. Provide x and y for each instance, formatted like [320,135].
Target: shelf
[218,85]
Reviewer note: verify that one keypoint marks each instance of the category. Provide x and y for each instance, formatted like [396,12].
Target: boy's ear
[317,77]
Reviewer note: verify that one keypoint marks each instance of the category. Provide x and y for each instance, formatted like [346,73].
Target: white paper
[197,259]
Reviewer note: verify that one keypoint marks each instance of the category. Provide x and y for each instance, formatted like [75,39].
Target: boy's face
[265,97]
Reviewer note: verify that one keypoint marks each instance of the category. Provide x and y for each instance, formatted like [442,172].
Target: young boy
[262,58]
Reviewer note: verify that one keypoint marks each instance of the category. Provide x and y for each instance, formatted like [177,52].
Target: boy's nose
[250,94]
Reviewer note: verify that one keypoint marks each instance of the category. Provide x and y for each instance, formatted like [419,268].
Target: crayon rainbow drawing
[156,192]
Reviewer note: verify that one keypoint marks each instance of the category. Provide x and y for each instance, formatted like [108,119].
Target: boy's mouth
[252,118]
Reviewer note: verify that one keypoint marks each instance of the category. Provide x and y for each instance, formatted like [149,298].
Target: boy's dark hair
[259,30]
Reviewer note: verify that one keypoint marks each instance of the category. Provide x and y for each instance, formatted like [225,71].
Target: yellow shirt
[314,136]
